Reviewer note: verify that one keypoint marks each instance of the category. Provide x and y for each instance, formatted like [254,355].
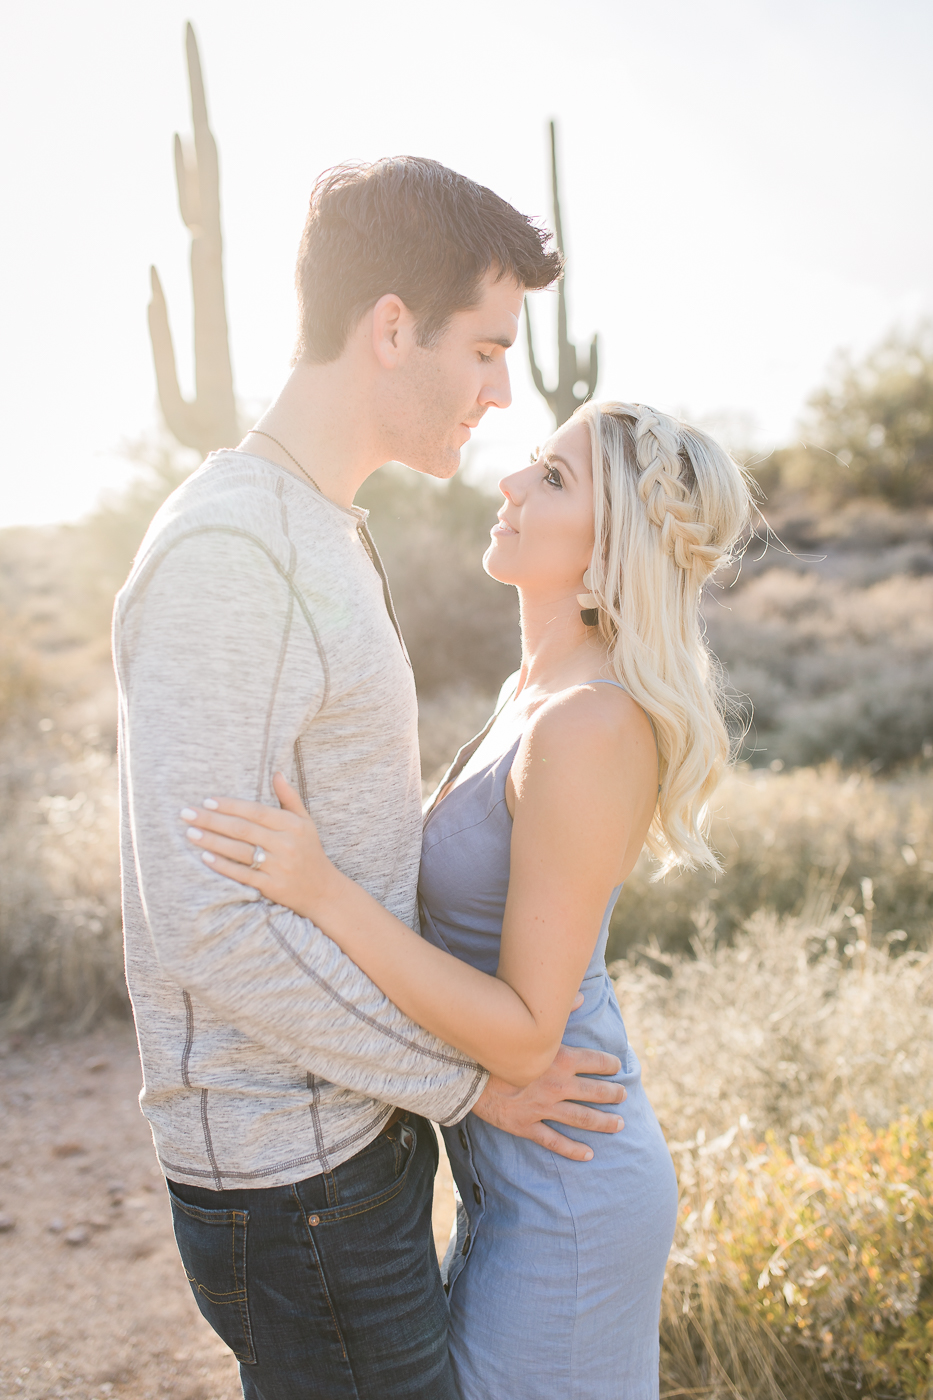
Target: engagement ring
[259,856]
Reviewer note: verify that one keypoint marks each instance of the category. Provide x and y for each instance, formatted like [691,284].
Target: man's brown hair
[409,226]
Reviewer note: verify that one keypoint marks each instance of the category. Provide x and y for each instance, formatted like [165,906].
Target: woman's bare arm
[584,793]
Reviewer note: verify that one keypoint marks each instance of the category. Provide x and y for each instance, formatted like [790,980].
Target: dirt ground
[93,1300]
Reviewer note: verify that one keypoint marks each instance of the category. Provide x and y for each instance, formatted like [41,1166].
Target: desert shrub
[805,1269]
[446,720]
[104,545]
[460,626]
[60,927]
[871,427]
[782,836]
[797,1024]
[831,670]
[792,1073]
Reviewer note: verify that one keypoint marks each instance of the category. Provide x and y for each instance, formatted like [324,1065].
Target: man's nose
[497,391]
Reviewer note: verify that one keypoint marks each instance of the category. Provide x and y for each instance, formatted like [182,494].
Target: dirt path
[93,1301]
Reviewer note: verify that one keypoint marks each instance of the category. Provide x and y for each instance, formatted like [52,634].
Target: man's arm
[218,670]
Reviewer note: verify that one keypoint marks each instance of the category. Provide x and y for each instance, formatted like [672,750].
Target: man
[288,1098]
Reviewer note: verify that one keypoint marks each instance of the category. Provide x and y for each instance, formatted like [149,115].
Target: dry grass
[61,955]
[782,835]
[757,1055]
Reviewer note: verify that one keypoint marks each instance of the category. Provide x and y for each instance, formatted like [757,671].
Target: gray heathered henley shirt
[252,635]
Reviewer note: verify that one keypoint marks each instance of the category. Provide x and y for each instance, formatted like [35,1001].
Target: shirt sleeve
[205,644]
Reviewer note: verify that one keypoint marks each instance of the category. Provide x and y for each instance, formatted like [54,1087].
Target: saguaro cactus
[210,421]
[571,369]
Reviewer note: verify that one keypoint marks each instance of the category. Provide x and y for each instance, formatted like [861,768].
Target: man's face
[438,394]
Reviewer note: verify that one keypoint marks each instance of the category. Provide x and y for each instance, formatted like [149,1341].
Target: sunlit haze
[746,187]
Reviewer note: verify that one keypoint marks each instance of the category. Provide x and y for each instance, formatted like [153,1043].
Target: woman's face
[544,538]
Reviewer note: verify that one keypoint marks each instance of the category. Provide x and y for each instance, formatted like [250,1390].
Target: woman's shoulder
[591,712]
[589,744]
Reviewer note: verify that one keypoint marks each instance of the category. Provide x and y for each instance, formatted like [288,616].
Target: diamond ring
[259,856]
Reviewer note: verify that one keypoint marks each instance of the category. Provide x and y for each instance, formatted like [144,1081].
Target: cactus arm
[195,80]
[562,399]
[177,412]
[213,371]
[555,195]
[536,375]
[187,190]
[211,420]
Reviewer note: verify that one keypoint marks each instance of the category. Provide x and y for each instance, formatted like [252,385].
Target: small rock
[116,1188]
[6,1223]
[96,1063]
[56,1225]
[68,1149]
[79,1235]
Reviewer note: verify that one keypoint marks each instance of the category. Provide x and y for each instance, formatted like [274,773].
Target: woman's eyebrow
[548,457]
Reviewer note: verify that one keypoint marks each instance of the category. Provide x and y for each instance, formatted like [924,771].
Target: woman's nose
[511,487]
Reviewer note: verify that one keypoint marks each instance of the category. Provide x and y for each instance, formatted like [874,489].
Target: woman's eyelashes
[551,475]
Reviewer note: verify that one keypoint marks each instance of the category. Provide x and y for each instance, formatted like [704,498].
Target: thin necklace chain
[260,432]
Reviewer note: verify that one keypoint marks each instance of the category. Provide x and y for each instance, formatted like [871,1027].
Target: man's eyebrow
[502,340]
[549,458]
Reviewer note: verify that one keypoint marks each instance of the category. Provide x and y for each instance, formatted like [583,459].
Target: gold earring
[589,603]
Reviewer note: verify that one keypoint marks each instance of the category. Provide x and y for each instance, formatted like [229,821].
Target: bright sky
[746,187]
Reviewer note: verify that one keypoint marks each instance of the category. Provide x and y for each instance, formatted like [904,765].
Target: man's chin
[441,465]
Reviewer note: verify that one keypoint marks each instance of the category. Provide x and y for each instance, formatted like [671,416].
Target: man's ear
[393,330]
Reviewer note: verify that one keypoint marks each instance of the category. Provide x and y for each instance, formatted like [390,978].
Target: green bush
[871,428]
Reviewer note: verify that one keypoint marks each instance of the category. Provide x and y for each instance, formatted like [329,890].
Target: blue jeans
[329,1287]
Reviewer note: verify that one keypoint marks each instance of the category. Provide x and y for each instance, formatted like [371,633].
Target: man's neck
[322,421]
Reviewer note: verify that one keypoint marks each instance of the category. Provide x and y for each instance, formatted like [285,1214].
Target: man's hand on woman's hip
[522,1112]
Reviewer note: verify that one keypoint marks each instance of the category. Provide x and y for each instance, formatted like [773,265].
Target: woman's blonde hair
[669,505]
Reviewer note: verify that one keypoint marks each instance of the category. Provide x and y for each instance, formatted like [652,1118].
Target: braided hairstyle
[669,505]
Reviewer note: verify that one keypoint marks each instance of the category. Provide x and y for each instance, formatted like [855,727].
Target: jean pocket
[376,1175]
[212,1245]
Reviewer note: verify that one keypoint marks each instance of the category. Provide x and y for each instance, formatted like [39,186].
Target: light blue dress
[555,1279]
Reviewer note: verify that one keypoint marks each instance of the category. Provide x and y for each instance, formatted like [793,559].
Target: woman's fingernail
[188,814]
[210,804]
[208,856]
[194,834]
[587,1156]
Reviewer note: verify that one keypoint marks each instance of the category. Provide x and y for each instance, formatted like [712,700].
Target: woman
[608,739]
